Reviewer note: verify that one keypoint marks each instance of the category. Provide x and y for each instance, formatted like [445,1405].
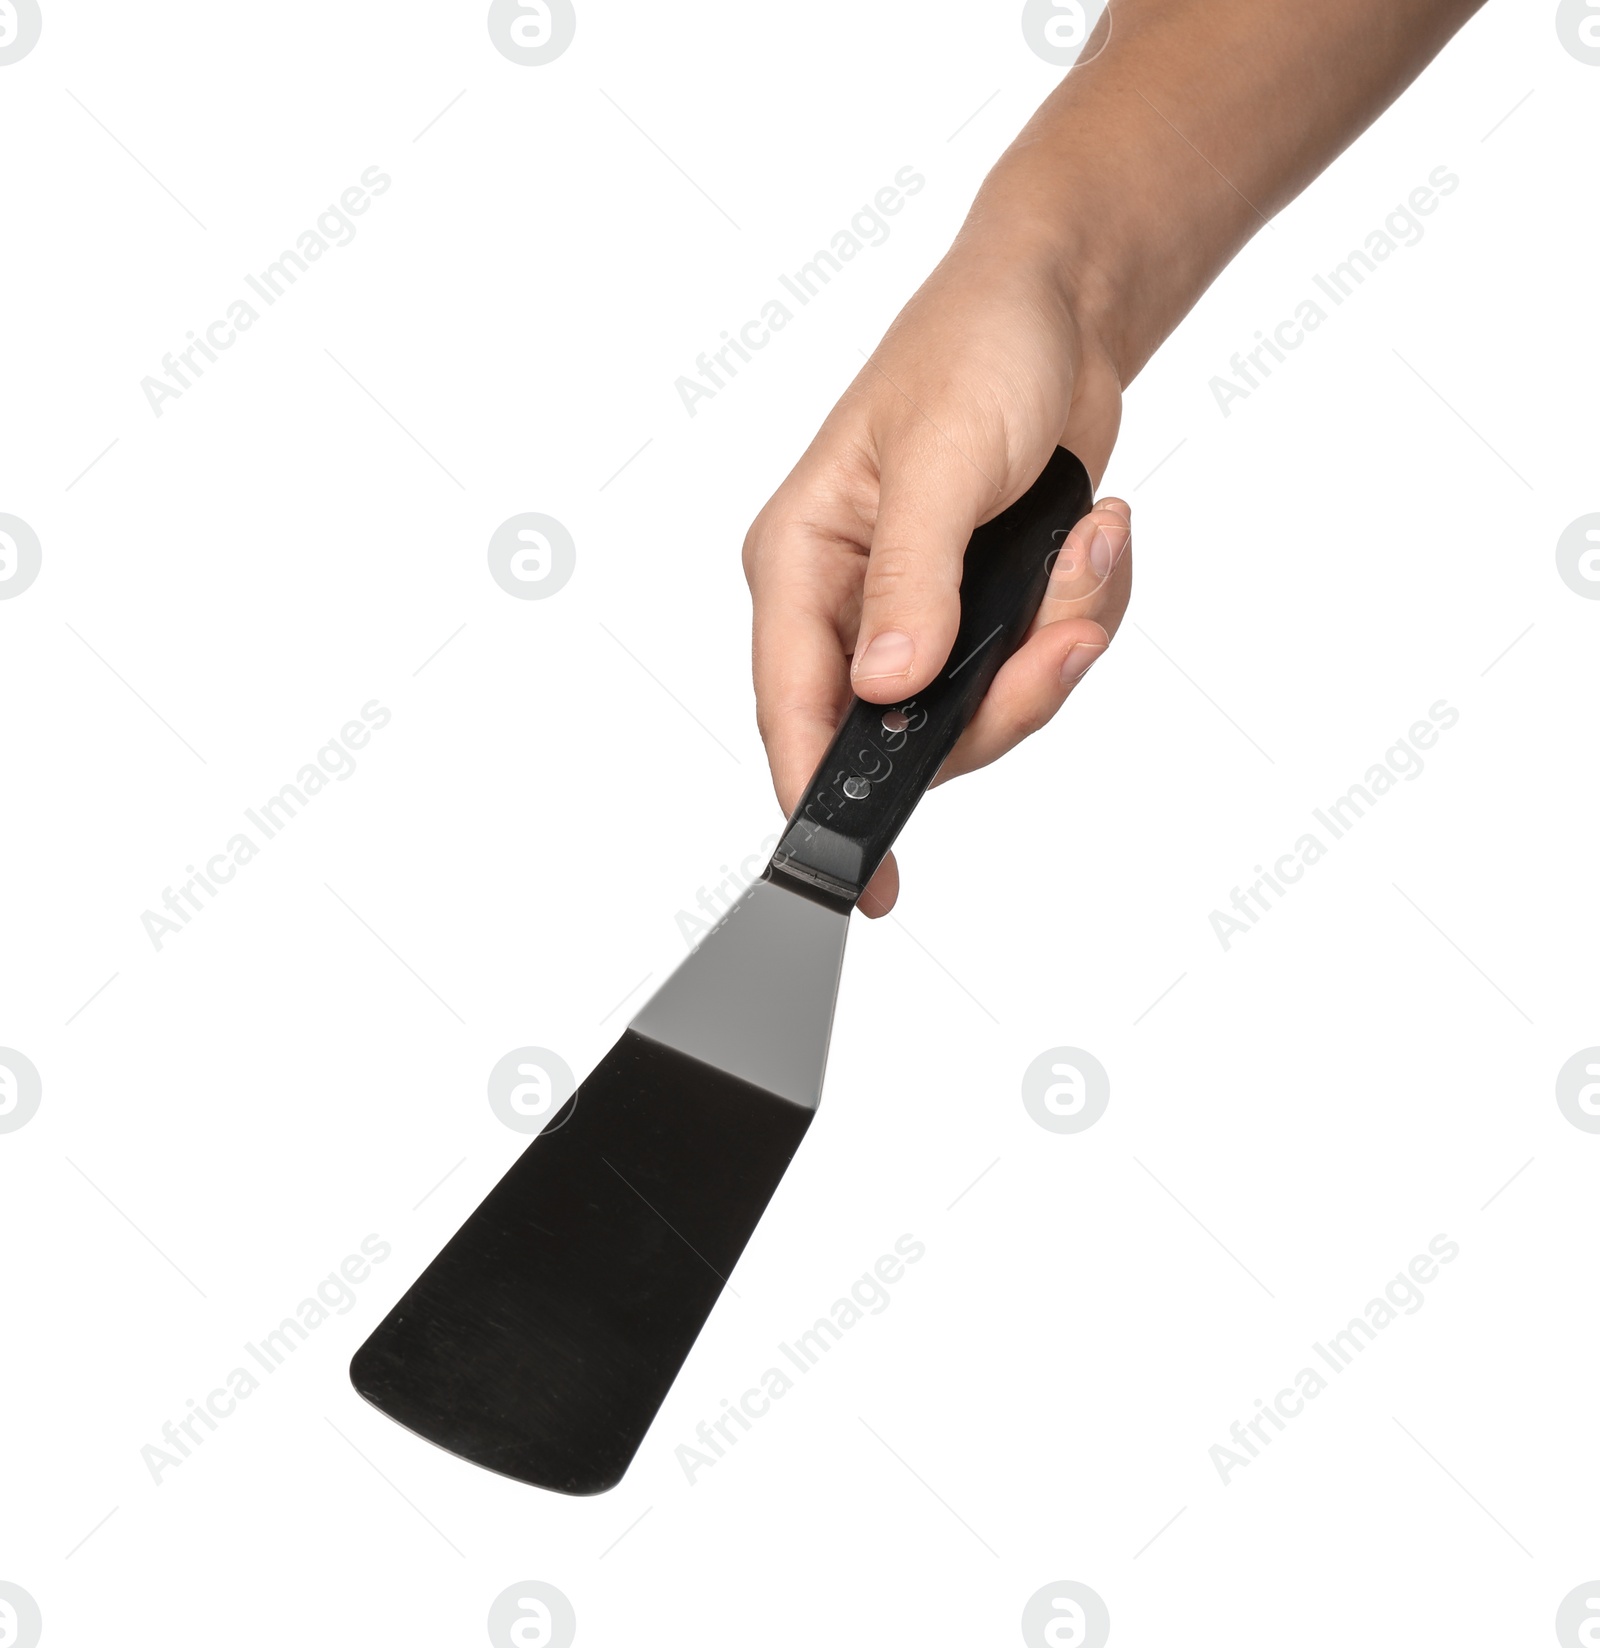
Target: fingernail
[888,654]
[1104,554]
[1077,662]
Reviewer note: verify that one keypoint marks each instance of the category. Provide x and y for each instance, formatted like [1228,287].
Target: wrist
[1065,247]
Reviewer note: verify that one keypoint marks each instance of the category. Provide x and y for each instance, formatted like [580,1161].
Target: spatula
[542,1340]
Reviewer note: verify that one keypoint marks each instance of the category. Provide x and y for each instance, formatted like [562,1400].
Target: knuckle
[750,553]
[1026,721]
[896,575]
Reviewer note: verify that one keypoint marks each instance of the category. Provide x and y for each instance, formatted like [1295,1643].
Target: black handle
[885,755]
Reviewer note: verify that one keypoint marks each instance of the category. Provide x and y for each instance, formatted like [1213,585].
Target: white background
[231,581]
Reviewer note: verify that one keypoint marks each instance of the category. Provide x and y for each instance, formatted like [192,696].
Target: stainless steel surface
[756,997]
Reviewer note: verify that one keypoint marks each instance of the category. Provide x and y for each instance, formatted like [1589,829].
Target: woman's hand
[855,563]
[1157,157]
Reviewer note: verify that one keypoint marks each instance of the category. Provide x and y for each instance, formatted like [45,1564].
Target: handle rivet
[857,788]
[896,721]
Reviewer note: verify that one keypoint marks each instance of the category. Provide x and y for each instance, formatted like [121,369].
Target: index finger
[802,676]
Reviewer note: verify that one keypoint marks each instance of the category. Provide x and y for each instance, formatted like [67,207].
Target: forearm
[1151,165]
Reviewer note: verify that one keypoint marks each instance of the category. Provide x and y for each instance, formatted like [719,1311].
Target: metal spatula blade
[542,1340]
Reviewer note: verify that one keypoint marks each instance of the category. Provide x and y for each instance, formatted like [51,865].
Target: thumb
[929,500]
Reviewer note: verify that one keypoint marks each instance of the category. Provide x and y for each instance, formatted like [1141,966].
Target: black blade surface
[542,1340]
